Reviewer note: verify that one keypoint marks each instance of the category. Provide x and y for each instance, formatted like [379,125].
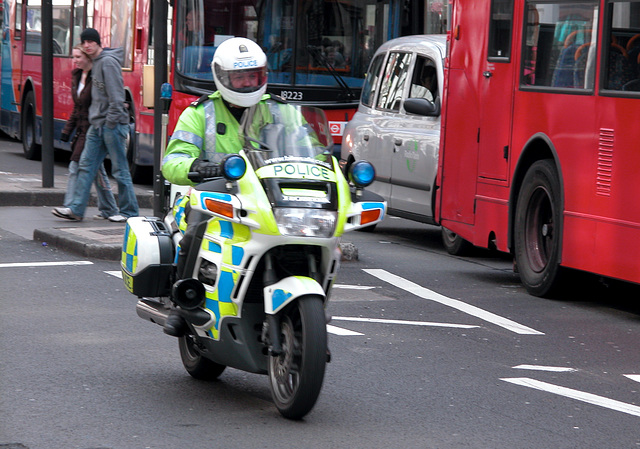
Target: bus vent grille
[605,162]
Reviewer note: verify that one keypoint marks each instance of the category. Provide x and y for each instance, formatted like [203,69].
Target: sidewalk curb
[67,240]
[53,199]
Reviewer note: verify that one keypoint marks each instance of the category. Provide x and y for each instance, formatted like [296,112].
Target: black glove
[64,137]
[206,169]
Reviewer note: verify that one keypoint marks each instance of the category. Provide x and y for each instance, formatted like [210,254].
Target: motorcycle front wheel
[296,375]
[196,365]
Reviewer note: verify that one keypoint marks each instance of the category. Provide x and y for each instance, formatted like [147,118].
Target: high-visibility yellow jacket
[207,130]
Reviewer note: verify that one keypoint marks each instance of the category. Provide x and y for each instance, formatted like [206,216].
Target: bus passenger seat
[619,69]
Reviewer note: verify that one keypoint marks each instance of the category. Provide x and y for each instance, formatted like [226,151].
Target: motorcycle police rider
[207,130]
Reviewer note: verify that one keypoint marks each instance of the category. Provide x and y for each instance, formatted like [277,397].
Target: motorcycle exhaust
[153,311]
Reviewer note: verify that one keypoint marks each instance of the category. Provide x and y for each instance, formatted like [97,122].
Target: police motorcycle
[262,264]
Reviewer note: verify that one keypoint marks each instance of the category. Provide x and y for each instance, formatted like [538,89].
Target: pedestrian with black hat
[107,134]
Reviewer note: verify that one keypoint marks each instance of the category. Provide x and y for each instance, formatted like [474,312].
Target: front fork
[271,325]
[271,335]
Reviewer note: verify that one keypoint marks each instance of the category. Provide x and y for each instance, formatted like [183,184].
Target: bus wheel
[454,244]
[32,150]
[537,230]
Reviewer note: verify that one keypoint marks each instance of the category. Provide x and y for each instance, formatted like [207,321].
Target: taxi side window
[371,81]
[393,81]
[424,83]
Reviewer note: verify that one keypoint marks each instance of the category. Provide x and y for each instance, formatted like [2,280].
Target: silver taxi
[397,127]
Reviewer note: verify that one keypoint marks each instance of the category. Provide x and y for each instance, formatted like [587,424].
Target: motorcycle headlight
[305,222]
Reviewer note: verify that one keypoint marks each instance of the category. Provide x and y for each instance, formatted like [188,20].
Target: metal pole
[47,93]
[160,48]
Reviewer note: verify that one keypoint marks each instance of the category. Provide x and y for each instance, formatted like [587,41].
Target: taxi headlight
[305,222]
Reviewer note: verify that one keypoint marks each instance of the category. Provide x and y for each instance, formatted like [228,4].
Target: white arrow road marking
[576,394]
[635,377]
[556,369]
[456,304]
[412,323]
[44,264]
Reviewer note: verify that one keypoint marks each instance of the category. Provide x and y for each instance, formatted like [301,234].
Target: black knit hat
[90,34]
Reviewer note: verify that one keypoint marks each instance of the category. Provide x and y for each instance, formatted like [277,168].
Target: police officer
[207,130]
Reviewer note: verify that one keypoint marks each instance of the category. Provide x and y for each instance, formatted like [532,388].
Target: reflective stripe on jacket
[196,136]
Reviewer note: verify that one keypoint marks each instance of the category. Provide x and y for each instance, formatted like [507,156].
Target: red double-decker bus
[318,51]
[121,23]
[539,144]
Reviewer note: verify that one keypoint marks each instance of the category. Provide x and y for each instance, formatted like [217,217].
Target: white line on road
[456,304]
[340,331]
[117,274]
[576,394]
[44,264]
[412,323]
[634,377]
[556,369]
[353,287]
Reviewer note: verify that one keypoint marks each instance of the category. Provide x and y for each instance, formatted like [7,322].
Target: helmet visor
[242,81]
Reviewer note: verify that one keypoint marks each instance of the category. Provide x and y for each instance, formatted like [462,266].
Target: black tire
[454,244]
[297,374]
[537,229]
[32,150]
[196,365]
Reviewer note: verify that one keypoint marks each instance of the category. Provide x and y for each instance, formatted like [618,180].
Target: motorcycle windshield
[276,133]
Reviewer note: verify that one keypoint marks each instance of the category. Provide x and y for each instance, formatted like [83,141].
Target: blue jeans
[106,201]
[101,141]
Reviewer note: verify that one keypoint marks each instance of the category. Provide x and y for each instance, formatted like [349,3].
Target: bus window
[560,49]
[307,43]
[78,21]
[395,75]
[621,53]
[500,27]
[61,32]
[18,19]
[122,14]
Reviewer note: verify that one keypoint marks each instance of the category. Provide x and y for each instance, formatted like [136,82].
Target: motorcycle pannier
[147,257]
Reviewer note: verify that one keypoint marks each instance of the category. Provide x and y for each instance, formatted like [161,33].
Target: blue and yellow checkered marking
[130,250]
[227,240]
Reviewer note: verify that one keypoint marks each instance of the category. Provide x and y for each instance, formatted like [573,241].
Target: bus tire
[454,244]
[32,150]
[537,230]
[132,152]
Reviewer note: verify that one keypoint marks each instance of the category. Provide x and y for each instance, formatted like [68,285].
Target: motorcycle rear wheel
[296,375]
[196,365]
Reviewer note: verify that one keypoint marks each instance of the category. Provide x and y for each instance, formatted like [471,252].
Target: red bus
[121,23]
[318,51]
[539,143]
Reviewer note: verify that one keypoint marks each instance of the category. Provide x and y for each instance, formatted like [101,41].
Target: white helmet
[241,60]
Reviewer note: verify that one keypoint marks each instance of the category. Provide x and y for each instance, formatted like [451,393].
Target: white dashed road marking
[576,394]
[454,303]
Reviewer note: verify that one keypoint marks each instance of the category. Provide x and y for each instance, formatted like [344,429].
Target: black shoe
[175,326]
